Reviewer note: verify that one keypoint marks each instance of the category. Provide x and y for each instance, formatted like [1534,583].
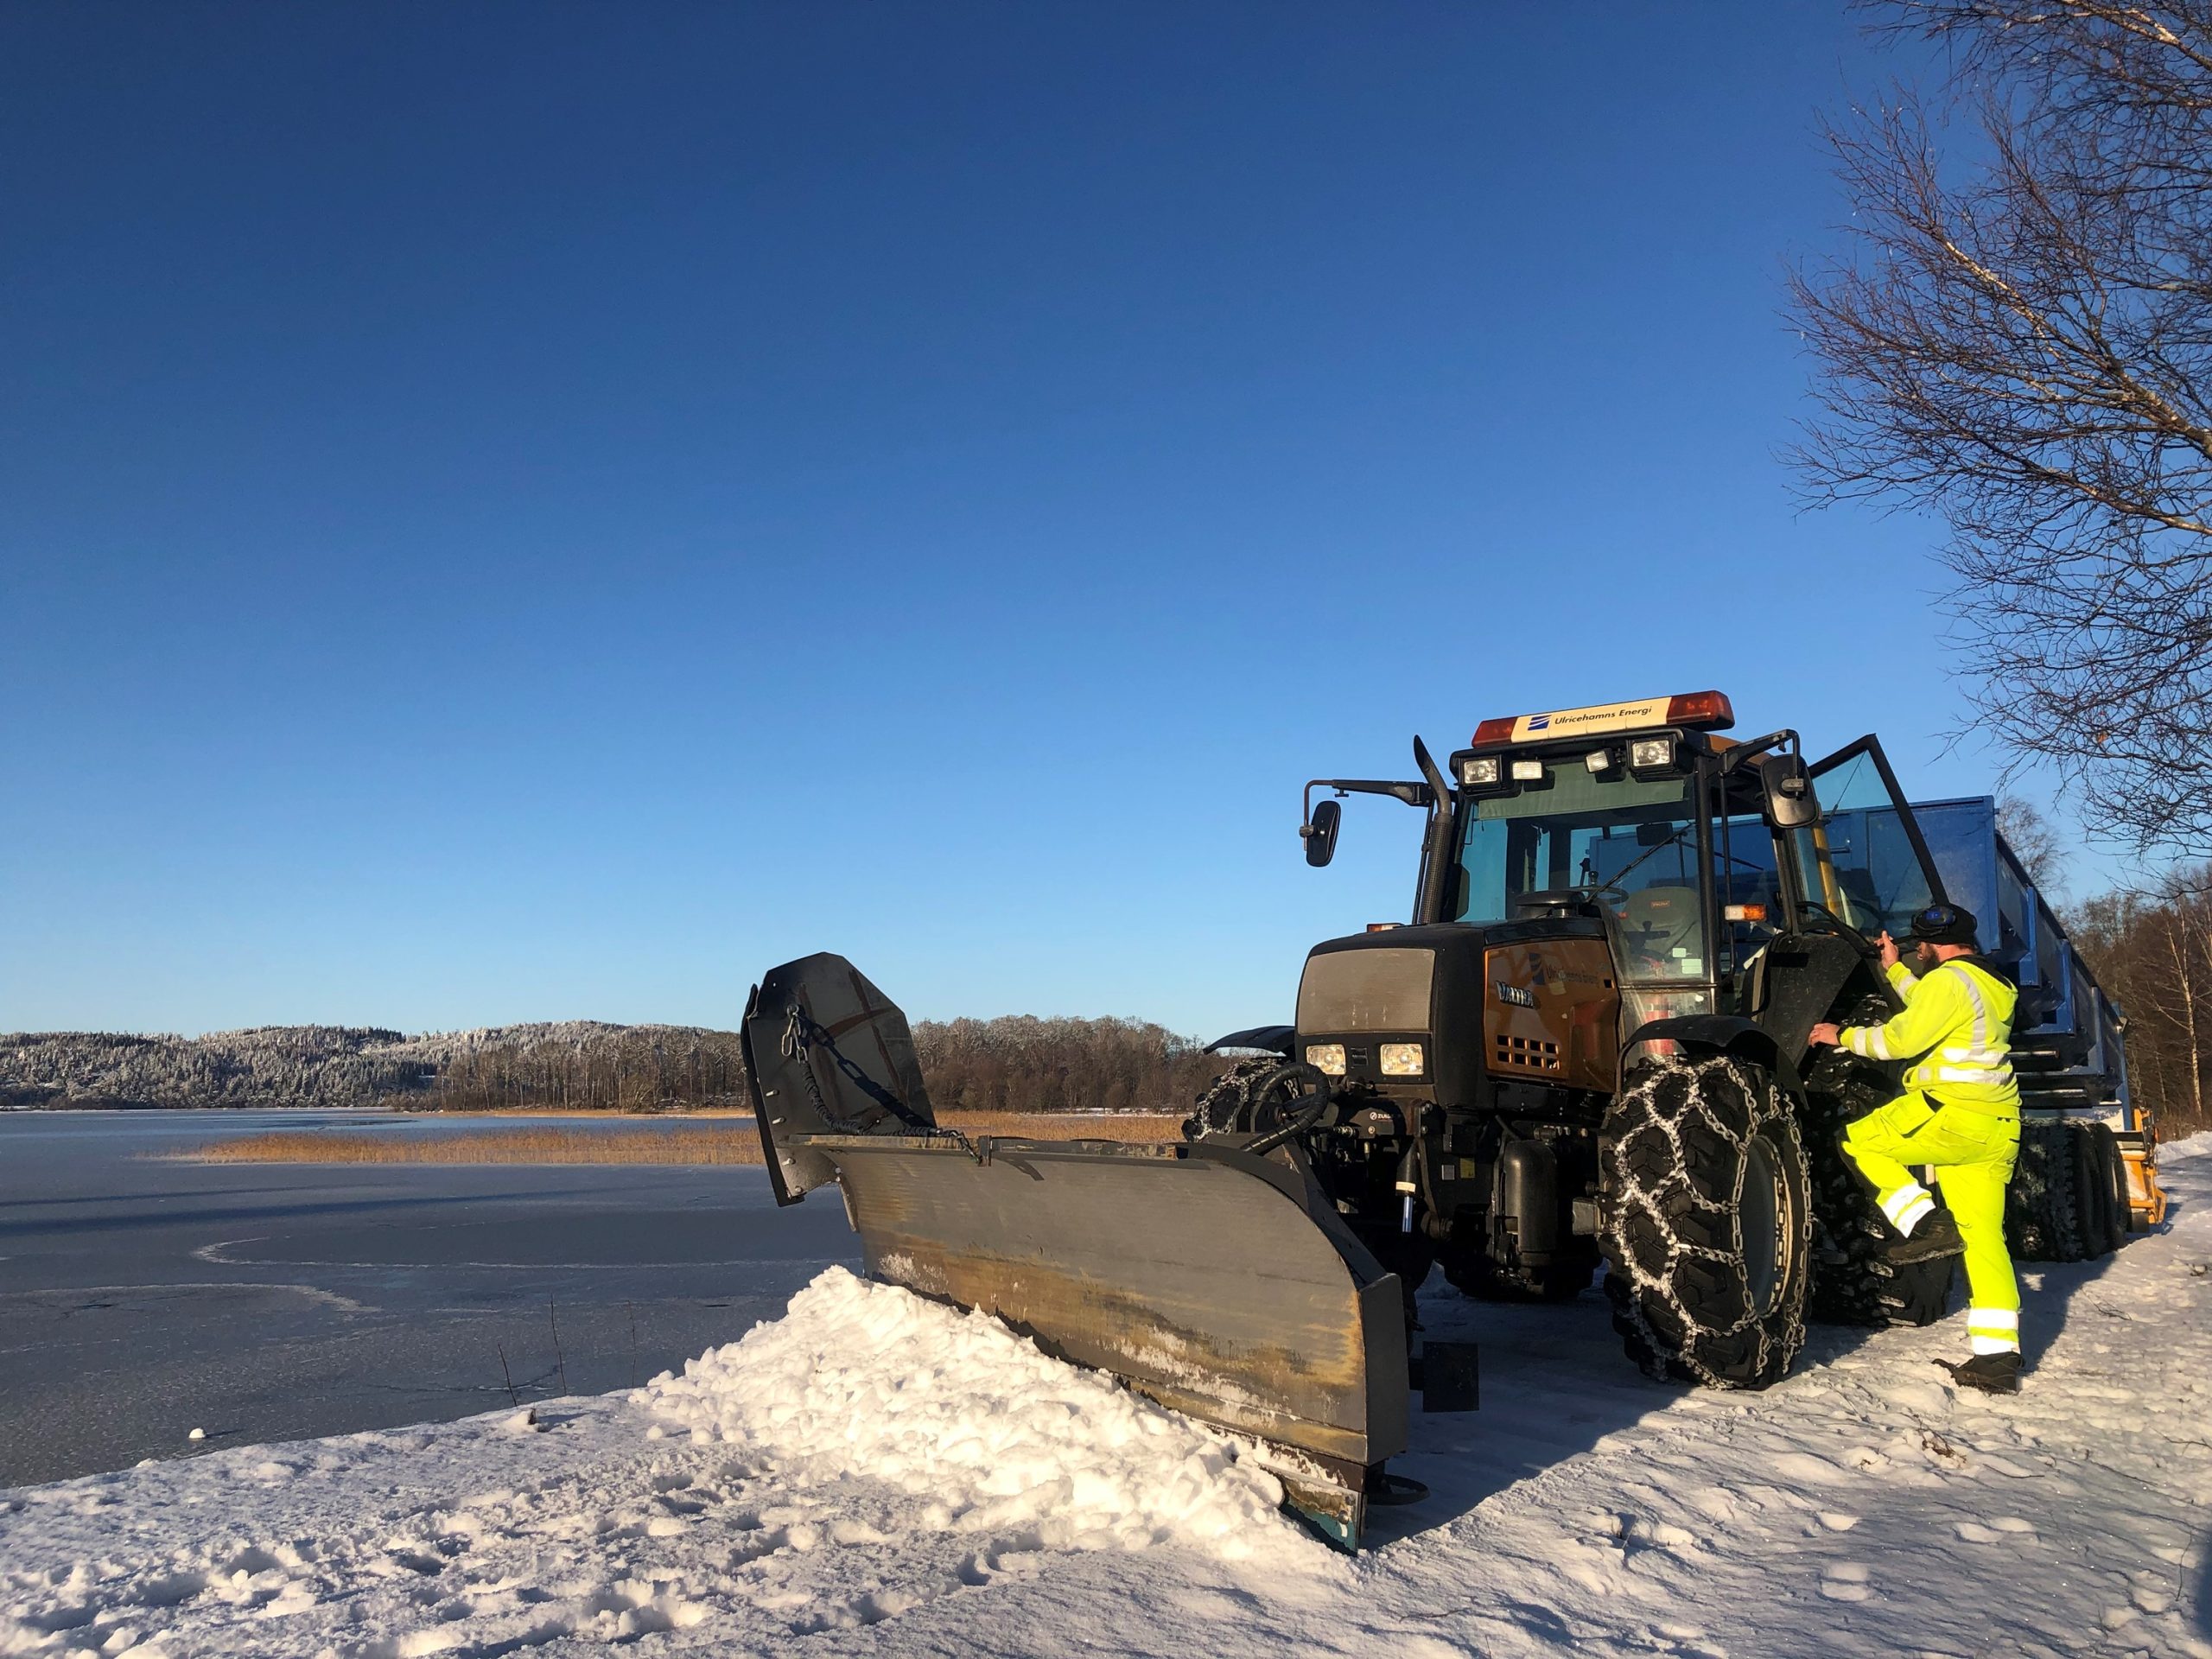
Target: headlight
[1528,771]
[1327,1059]
[1479,771]
[1401,1060]
[1652,752]
[1598,760]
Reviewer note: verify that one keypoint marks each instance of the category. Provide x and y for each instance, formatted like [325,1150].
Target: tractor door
[1866,861]
[1863,863]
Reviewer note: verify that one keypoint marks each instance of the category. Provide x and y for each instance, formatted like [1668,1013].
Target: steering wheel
[1865,946]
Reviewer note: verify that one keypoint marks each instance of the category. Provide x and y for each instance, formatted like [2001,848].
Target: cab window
[1634,841]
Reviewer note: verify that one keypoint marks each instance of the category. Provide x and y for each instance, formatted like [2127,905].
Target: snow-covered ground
[874,1474]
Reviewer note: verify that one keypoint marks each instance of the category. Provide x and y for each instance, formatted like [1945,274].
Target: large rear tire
[2042,1219]
[1708,1222]
[1853,1282]
[2095,1156]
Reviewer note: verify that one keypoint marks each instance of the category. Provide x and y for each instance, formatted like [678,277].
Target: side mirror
[1320,836]
[1790,802]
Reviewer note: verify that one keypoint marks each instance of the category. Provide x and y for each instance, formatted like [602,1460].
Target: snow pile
[869,1380]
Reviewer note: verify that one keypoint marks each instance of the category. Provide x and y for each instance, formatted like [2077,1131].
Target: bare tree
[2153,951]
[2033,841]
[2022,343]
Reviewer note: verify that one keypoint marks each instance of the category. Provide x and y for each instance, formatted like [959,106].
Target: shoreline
[729,1141]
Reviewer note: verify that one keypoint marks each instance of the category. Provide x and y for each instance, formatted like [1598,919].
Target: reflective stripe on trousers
[1973,1154]
[1994,1330]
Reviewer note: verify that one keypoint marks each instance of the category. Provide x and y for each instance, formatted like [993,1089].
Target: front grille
[1368,989]
[1528,1054]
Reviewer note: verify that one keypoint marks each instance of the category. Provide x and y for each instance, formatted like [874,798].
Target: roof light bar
[1702,711]
[1699,711]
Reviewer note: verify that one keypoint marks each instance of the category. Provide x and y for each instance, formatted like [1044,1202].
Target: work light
[1401,1060]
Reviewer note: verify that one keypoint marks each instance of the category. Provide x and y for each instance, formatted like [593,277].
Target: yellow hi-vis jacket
[1956,1027]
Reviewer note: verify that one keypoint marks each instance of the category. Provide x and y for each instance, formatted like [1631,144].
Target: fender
[1723,1034]
[1273,1039]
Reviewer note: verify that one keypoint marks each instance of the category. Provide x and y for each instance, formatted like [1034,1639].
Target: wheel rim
[1763,1216]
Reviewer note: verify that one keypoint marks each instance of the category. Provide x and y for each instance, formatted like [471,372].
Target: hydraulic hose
[1308,1078]
[1307,1115]
[1303,1111]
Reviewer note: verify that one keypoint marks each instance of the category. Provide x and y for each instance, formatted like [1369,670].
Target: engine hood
[1429,985]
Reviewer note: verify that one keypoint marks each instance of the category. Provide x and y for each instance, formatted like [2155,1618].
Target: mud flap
[1220,1284]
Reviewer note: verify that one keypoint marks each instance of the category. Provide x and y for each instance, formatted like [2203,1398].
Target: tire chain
[1667,1127]
[1226,1105]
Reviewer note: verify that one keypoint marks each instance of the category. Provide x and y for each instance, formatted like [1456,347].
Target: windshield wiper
[1621,874]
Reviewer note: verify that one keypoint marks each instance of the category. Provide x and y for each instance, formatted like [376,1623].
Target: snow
[873,1473]
[870,1381]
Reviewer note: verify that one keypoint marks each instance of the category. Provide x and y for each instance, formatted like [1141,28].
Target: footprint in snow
[2007,1529]
[1846,1581]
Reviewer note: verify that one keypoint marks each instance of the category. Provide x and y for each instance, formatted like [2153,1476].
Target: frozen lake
[142,1298]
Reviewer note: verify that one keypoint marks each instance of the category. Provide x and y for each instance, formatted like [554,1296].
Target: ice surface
[141,1297]
[829,1484]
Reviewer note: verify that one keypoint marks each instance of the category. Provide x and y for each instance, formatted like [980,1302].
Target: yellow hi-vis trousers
[1974,1154]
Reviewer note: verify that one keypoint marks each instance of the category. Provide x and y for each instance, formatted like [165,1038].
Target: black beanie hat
[1946,924]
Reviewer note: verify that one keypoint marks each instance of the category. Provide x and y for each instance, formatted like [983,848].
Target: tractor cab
[1694,852]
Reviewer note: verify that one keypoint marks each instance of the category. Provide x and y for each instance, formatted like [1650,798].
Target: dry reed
[737,1143]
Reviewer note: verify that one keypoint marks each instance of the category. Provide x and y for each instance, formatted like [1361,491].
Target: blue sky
[529,512]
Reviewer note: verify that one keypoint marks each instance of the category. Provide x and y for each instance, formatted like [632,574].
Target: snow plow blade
[1219,1283]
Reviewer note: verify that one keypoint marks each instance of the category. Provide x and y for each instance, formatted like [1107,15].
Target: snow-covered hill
[584,1062]
[874,1473]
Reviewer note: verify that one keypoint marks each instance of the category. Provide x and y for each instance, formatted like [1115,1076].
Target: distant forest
[1018,1062]
[2152,952]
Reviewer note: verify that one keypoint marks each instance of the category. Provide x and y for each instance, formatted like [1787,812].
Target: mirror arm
[1411,794]
[1740,753]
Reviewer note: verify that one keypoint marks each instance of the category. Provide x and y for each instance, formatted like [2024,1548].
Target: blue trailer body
[2066,1032]
[2067,1051]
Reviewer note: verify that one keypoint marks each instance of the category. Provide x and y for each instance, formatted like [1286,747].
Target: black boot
[1937,1234]
[1991,1373]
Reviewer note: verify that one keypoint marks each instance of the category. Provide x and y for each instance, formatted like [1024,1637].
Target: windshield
[1635,838]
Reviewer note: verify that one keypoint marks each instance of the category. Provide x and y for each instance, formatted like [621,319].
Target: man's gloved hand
[1824,1034]
[1889,952]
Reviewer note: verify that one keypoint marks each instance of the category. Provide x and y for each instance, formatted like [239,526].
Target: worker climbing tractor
[1961,1113]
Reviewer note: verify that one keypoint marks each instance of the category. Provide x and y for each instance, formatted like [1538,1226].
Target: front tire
[1708,1222]
[1227,1103]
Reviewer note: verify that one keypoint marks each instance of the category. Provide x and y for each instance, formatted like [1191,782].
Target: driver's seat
[1661,920]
